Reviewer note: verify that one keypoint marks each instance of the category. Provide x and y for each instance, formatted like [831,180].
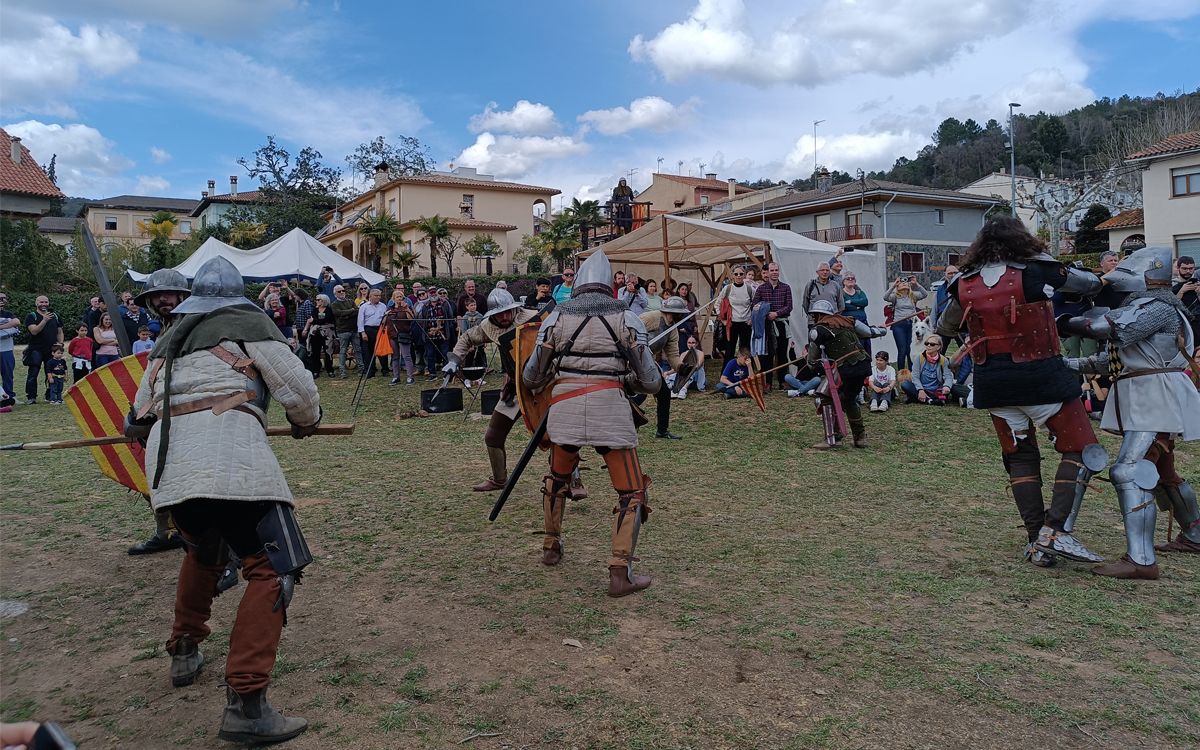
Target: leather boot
[250,719]
[554,504]
[1180,544]
[622,583]
[860,433]
[499,463]
[1127,568]
[158,542]
[578,491]
[186,662]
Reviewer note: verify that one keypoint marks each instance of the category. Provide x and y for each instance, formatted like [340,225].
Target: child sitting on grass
[735,372]
[882,383]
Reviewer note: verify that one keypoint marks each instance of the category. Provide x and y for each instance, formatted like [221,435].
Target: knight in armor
[1003,296]
[201,407]
[1152,403]
[622,206]
[503,316]
[165,289]
[657,323]
[837,338]
[591,351]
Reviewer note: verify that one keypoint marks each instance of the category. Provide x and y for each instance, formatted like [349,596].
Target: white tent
[683,243]
[295,255]
[298,255]
[211,248]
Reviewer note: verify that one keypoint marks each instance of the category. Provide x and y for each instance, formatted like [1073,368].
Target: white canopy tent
[295,255]
[707,247]
[211,248]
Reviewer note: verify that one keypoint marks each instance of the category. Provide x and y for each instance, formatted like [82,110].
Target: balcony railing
[841,234]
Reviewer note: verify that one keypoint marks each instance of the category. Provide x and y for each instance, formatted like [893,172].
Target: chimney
[212,187]
[824,181]
[16,150]
[732,187]
[381,174]
[710,175]
[203,194]
[233,184]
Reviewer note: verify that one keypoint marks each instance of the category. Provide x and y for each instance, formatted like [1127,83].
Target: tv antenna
[660,161]
[679,167]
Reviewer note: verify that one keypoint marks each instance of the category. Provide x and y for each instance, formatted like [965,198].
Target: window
[468,199]
[185,227]
[912,262]
[703,199]
[854,218]
[939,216]
[953,259]
[1185,181]
[392,207]
[786,225]
[110,223]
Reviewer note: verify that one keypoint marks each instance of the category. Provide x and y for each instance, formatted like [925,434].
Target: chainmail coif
[592,304]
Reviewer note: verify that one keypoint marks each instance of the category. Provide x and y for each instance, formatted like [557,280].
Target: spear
[328,429]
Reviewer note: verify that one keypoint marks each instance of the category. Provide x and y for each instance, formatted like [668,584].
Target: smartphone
[50,736]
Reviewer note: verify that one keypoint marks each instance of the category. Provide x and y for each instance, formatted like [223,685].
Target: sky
[156,98]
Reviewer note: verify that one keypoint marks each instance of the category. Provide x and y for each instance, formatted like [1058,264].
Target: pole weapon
[327,429]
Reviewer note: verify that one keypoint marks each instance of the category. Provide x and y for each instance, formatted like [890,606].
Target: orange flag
[753,385]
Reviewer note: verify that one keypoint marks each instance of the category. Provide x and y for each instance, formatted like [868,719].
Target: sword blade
[519,469]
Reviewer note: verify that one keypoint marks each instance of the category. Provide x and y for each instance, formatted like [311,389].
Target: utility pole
[815,124]
[1012,157]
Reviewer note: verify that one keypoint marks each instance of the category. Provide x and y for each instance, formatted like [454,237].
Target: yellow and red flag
[753,385]
[100,402]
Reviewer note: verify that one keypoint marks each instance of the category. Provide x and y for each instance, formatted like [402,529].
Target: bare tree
[1056,201]
[447,248]
[1126,137]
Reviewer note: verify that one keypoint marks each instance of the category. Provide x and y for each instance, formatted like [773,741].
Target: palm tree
[382,229]
[159,226]
[434,229]
[405,260]
[585,215]
[560,239]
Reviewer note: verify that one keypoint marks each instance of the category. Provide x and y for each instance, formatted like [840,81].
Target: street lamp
[815,124]
[1012,158]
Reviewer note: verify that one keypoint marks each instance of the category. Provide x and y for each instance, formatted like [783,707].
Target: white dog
[921,329]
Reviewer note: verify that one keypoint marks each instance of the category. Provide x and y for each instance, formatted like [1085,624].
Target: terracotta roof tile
[26,178]
[701,182]
[1171,144]
[250,196]
[1131,218]
[145,203]
[462,222]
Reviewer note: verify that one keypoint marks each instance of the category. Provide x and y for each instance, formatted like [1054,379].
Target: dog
[921,329]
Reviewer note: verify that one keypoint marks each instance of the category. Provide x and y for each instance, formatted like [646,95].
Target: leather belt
[588,387]
[218,405]
[1152,371]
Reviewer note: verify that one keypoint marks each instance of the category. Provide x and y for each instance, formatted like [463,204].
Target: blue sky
[152,97]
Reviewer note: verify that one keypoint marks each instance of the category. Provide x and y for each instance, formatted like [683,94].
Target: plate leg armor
[1177,496]
[554,496]
[1134,478]
[631,512]
[1092,459]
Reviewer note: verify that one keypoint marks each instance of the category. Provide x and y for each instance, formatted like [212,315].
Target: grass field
[857,599]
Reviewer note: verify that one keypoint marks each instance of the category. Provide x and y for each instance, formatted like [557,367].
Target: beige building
[26,192]
[1171,192]
[475,204]
[115,220]
[672,192]
[1126,230]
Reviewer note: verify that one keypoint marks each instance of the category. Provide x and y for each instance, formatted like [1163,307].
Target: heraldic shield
[534,406]
[99,403]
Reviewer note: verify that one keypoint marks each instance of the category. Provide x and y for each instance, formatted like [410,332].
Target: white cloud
[151,185]
[88,163]
[836,39]
[652,112]
[224,18]
[160,156]
[851,151]
[1046,89]
[525,118]
[515,156]
[42,61]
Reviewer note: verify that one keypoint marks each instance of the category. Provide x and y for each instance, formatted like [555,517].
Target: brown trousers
[254,640]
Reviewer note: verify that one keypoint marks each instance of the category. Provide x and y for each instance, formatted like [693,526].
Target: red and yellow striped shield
[100,402]
[753,385]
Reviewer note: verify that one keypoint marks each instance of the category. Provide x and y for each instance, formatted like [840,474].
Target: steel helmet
[163,280]
[217,284]
[822,307]
[594,276]
[500,300]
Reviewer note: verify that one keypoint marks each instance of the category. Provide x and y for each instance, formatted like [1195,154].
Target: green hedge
[68,305]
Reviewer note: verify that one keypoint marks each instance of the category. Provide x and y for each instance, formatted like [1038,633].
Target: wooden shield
[534,406]
[99,403]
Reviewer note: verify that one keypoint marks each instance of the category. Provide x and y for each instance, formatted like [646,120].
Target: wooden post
[666,252]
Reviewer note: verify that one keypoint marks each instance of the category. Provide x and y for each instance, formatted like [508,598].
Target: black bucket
[450,399]
[488,401]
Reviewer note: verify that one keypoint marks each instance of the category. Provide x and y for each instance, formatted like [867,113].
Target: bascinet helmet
[1142,269]
[500,300]
[217,284]
[594,276]
[822,307]
[674,306]
[163,280]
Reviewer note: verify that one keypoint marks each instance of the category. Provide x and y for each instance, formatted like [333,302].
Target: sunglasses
[930,343]
[568,275]
[739,274]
